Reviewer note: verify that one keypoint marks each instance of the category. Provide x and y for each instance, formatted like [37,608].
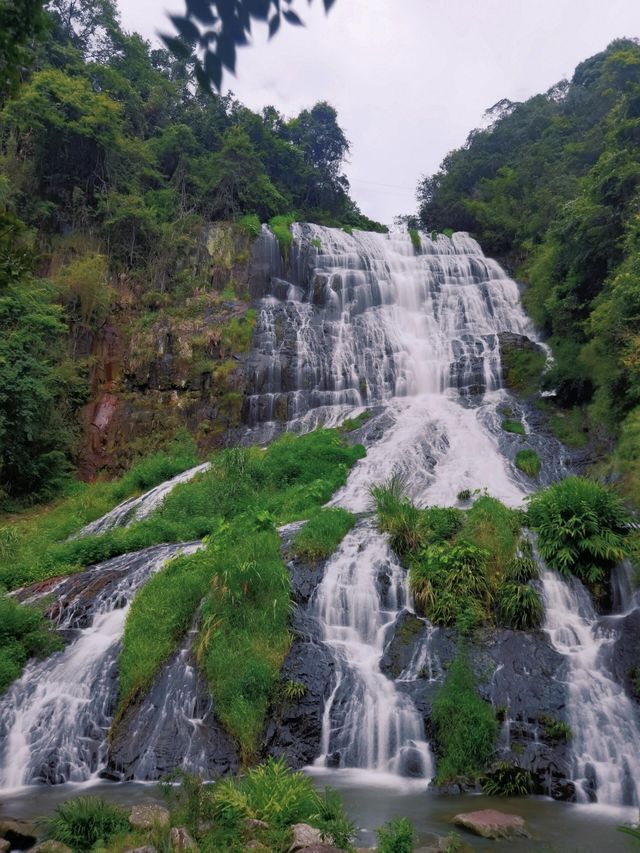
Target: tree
[21,22]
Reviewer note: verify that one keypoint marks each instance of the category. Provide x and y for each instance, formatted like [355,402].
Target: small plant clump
[250,223]
[555,731]
[352,424]
[416,242]
[510,425]
[464,495]
[507,780]
[281,227]
[396,836]
[528,461]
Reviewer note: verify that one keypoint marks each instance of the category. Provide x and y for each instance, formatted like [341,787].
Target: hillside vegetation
[553,185]
[112,166]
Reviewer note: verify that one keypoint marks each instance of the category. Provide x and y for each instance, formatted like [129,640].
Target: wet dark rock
[625,657]
[294,730]
[152,740]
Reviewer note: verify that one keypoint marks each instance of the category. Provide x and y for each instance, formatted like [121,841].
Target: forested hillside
[112,164]
[553,185]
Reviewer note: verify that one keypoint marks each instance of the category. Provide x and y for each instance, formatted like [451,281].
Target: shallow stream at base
[555,827]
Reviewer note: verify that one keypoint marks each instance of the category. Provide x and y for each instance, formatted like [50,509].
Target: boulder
[20,834]
[253,825]
[5,845]
[148,816]
[490,823]
[304,836]
[181,840]
[321,848]
[51,846]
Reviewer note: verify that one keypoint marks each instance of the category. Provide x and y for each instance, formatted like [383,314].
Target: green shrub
[519,606]
[281,227]
[523,369]
[464,724]
[507,780]
[396,836]
[464,495]
[24,633]
[517,427]
[322,534]
[448,232]
[80,823]
[415,239]
[275,794]
[580,526]
[529,462]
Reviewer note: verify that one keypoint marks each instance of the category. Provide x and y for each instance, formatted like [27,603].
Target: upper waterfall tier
[366,317]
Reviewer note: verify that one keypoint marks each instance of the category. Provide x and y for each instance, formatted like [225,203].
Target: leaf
[203,79]
[176,46]
[201,11]
[328,4]
[187,29]
[274,25]
[292,18]
[213,68]
[227,51]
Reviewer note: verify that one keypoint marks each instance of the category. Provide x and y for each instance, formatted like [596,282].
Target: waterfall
[54,720]
[605,726]
[136,509]
[367,320]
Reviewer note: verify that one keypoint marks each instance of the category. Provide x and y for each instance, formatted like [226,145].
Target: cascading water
[54,720]
[367,320]
[136,509]
[605,725]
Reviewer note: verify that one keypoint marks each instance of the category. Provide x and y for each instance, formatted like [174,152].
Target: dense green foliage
[111,165]
[80,823]
[463,566]
[581,528]
[322,534]
[33,547]
[554,182]
[240,574]
[24,633]
[509,425]
[465,725]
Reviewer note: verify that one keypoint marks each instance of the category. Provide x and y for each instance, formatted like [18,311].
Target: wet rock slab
[490,823]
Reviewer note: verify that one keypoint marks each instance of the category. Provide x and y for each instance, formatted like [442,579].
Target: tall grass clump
[322,534]
[82,822]
[510,425]
[519,606]
[415,239]
[281,227]
[581,528]
[465,725]
[529,462]
[494,527]
[450,584]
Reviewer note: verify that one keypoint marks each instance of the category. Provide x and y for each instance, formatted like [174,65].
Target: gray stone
[148,816]
[252,824]
[5,845]
[148,848]
[304,836]
[490,823]
[181,840]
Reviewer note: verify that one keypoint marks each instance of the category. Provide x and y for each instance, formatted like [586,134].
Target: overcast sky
[410,78]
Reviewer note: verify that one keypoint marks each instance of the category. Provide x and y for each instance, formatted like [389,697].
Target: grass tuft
[322,534]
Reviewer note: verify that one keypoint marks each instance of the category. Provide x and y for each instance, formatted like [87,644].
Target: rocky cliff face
[170,357]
